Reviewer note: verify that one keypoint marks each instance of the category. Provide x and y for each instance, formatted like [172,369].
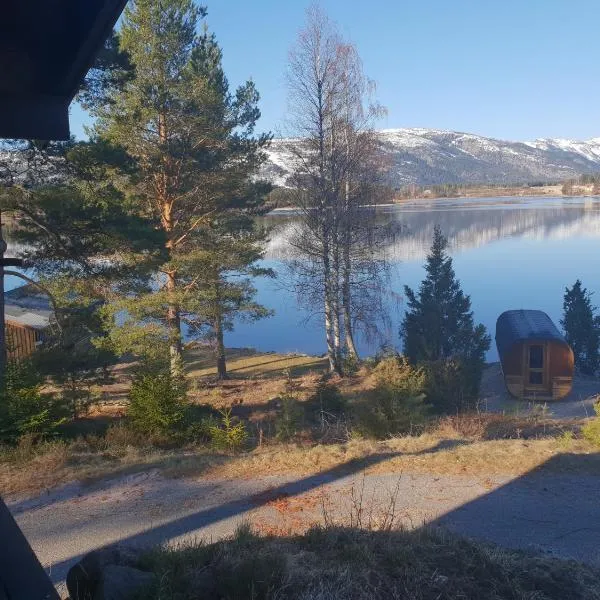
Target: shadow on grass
[109,471]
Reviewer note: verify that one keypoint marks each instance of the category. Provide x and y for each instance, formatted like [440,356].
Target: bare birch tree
[337,163]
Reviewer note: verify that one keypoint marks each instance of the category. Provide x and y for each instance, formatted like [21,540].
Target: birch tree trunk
[347,304]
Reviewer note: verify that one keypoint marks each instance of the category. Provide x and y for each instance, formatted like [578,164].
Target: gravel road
[557,514]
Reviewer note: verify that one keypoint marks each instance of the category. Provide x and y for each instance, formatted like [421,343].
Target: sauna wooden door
[535,367]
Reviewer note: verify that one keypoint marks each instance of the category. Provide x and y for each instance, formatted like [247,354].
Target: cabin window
[536,357]
[536,364]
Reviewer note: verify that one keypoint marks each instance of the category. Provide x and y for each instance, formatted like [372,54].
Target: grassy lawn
[245,363]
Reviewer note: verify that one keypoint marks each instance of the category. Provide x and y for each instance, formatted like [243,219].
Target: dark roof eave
[35,117]
[38,108]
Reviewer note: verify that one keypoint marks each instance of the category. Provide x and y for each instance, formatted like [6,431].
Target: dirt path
[557,514]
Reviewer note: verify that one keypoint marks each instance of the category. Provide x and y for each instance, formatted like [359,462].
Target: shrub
[328,400]
[229,433]
[350,364]
[118,438]
[591,430]
[199,421]
[449,386]
[157,403]
[29,447]
[24,409]
[290,420]
[327,408]
[397,403]
[565,440]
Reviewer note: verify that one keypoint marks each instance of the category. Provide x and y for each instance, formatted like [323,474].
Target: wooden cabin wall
[21,341]
[512,361]
[561,360]
[561,370]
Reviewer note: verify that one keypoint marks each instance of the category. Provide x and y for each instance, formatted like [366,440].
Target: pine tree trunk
[174,325]
[220,350]
[173,311]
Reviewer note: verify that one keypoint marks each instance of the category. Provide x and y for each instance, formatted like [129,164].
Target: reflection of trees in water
[465,228]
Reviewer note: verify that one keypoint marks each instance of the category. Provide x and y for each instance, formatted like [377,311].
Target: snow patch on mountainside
[437,156]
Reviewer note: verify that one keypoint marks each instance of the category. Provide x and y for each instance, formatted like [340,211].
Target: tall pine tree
[438,325]
[582,328]
[191,153]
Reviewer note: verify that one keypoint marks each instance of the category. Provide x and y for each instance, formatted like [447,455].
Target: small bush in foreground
[24,409]
[228,433]
[157,403]
[290,419]
[354,564]
[397,405]
[591,430]
[450,386]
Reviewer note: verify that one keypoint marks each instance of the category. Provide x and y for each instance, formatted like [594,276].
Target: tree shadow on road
[552,508]
[201,519]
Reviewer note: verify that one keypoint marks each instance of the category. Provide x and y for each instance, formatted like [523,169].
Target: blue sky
[512,69]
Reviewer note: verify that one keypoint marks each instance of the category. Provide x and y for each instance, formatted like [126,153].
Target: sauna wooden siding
[21,340]
[537,363]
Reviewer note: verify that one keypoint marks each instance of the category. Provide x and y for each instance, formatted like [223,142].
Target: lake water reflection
[508,253]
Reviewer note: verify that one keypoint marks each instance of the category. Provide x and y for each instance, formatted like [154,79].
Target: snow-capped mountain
[431,156]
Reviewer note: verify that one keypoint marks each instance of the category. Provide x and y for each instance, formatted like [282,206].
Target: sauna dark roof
[519,325]
[46,48]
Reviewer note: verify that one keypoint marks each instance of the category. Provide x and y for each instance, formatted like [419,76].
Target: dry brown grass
[473,444]
[330,563]
[423,454]
[255,379]
[56,464]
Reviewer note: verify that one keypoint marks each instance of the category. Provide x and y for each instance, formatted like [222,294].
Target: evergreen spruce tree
[190,154]
[582,328]
[438,328]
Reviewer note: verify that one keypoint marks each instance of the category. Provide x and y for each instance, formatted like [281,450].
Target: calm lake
[509,253]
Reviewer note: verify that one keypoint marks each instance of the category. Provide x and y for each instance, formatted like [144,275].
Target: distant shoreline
[549,191]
